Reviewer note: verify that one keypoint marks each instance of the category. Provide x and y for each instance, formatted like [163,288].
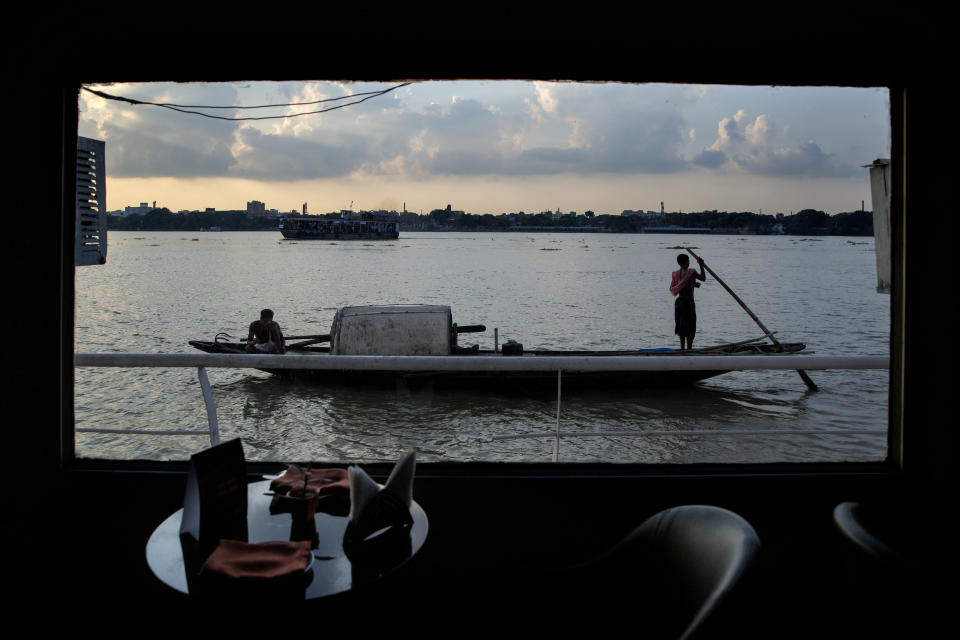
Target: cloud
[132,154]
[542,129]
[620,129]
[728,132]
[807,159]
[276,157]
[710,159]
[545,97]
[752,147]
[560,129]
[146,141]
[759,131]
[445,129]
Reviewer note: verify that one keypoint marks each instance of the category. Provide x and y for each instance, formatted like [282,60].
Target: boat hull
[485,379]
[300,234]
[502,381]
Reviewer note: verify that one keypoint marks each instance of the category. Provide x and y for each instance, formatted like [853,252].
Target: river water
[159,290]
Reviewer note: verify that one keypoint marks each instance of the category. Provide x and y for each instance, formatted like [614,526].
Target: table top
[332,570]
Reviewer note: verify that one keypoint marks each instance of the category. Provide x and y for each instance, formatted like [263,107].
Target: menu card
[215,501]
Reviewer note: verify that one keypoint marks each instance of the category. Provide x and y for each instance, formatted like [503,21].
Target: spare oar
[730,345]
[321,338]
[471,328]
[803,374]
[305,343]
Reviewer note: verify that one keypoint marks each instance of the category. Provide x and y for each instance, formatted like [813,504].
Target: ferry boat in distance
[350,226]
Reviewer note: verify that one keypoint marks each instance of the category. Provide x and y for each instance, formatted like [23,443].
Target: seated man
[265,335]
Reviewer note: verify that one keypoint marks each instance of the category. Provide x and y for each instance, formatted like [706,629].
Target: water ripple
[158,291]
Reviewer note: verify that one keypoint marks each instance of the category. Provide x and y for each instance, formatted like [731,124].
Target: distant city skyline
[493,147]
[863,205]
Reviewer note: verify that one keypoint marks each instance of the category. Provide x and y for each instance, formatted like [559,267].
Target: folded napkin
[373,507]
[257,561]
[324,481]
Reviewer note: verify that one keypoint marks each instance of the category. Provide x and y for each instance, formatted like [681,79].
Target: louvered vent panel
[91,202]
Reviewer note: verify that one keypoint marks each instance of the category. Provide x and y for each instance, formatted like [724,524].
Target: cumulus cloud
[545,97]
[728,132]
[759,132]
[807,159]
[761,147]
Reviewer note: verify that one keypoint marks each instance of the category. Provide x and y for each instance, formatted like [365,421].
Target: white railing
[477,363]
[481,364]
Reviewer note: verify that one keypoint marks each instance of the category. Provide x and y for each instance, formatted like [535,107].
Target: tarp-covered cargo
[405,330]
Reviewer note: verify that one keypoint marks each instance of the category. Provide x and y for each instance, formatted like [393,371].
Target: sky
[491,146]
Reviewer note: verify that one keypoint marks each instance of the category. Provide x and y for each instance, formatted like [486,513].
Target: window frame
[894,464]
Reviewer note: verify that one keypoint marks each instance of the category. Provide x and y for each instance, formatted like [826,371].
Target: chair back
[685,561]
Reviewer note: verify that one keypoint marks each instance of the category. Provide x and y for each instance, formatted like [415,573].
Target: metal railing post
[211,406]
[556,442]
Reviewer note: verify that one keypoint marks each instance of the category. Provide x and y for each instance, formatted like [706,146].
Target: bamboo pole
[320,338]
[729,345]
[803,374]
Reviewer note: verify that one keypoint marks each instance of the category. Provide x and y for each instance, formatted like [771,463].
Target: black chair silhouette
[877,590]
[673,571]
[872,534]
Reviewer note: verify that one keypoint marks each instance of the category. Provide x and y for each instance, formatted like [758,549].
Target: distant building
[631,212]
[134,211]
[676,229]
[256,208]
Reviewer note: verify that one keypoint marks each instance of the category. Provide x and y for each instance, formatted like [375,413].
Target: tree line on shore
[805,222]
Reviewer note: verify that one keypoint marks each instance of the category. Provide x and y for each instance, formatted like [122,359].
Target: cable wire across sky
[185,108]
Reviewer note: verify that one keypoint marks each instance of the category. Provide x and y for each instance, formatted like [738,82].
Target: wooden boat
[428,330]
[349,226]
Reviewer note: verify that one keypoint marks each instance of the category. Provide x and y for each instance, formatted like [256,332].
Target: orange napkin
[325,481]
[263,560]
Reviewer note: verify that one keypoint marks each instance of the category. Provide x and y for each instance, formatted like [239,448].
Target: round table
[332,570]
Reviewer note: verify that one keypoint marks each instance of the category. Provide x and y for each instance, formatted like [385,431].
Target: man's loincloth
[685,317]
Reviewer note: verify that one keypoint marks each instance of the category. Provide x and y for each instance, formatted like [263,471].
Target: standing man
[682,285]
[265,335]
